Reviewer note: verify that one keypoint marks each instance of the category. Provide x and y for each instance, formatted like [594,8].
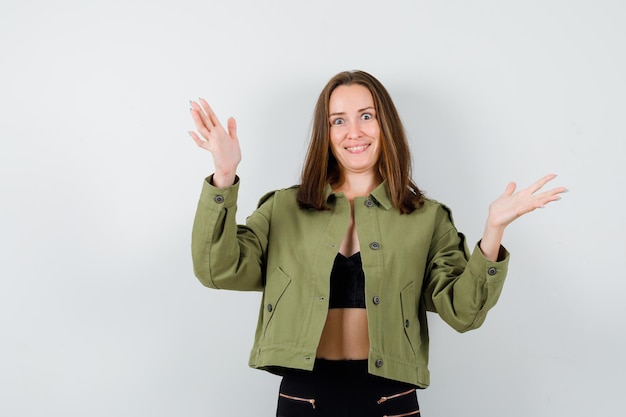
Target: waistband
[330,367]
[341,373]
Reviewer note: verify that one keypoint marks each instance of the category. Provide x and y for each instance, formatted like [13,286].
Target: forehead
[350,97]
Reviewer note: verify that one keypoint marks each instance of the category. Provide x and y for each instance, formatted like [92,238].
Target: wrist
[491,241]
[221,180]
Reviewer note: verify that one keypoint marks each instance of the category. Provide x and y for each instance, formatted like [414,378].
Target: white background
[100,314]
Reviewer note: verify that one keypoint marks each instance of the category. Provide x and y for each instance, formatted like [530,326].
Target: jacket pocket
[275,286]
[410,322]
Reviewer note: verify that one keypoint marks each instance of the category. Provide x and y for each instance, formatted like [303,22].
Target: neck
[357,185]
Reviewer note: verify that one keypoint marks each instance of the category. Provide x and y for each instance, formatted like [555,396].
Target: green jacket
[413,263]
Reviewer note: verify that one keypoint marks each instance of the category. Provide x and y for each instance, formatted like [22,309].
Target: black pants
[344,389]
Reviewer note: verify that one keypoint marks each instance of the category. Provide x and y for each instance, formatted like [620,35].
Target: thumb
[232,128]
[510,189]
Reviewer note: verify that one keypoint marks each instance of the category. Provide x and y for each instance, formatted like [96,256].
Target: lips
[357,149]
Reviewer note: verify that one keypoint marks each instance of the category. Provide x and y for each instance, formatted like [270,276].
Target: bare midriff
[345,335]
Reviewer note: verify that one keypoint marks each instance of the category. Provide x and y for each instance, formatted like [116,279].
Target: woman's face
[354,129]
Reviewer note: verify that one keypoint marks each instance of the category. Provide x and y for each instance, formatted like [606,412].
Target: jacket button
[379,363]
[374,245]
[406,323]
[270,308]
[376,300]
[219,199]
[492,270]
[369,203]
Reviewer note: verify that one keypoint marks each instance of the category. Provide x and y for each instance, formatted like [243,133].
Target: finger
[196,139]
[195,105]
[200,126]
[209,111]
[510,189]
[232,129]
[202,114]
[553,195]
[540,183]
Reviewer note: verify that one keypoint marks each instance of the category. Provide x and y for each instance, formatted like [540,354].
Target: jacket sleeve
[226,255]
[461,287]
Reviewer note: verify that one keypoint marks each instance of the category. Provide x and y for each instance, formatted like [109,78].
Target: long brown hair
[321,168]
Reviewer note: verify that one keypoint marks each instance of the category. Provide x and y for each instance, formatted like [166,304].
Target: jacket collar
[380,195]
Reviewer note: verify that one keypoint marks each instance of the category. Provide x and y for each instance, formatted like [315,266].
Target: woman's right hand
[224,146]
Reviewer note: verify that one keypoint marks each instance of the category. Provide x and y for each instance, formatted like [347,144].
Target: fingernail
[566,190]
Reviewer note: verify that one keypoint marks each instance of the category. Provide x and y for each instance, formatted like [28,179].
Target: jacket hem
[278,359]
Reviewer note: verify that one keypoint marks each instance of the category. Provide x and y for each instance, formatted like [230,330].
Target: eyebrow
[358,111]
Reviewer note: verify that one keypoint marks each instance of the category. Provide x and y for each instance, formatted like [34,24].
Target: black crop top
[347,282]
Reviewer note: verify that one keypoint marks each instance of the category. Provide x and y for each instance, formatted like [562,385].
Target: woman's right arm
[225,255]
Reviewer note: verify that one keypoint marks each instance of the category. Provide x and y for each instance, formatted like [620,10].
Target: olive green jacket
[413,263]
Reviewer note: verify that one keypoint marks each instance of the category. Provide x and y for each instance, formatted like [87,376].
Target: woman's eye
[366,116]
[337,121]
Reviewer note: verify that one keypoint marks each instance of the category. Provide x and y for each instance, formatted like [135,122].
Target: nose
[354,130]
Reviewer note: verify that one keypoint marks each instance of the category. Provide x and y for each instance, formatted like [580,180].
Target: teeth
[356,148]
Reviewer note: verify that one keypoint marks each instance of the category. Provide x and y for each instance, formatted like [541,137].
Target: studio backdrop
[100,313]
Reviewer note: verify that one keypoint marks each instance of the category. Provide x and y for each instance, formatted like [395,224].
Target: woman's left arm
[510,206]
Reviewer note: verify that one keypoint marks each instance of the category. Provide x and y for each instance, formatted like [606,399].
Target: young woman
[350,260]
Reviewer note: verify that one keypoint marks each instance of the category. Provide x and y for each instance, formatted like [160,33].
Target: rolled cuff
[492,270]
[219,198]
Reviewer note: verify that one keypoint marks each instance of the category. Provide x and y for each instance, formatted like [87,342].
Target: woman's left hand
[511,205]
